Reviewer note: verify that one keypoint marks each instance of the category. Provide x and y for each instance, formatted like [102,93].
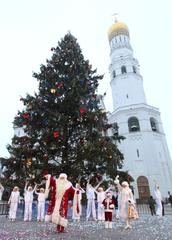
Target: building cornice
[135,107]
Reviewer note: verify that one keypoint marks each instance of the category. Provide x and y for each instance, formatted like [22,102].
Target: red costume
[109,205]
[58,204]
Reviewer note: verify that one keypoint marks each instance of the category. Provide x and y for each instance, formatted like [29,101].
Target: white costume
[158,199]
[100,208]
[125,194]
[1,191]
[28,198]
[41,206]
[77,208]
[90,193]
[13,201]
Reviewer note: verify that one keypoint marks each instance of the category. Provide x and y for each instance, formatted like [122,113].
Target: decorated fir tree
[65,128]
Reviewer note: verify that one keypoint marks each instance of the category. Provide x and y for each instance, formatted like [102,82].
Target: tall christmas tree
[65,128]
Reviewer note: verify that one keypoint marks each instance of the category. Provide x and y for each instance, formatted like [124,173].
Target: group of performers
[28,200]
[118,196]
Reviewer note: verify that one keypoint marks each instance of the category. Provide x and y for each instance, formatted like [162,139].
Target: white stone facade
[145,149]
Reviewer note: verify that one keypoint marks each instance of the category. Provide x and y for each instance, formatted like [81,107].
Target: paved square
[145,228]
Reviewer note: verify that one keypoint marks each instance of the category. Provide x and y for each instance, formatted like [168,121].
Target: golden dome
[118,28]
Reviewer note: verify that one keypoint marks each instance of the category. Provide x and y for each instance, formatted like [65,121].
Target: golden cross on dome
[115,16]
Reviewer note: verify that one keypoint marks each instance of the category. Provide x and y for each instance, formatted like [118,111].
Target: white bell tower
[145,149]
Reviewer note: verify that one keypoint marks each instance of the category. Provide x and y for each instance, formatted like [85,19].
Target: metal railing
[144,209]
[141,208]
[4,208]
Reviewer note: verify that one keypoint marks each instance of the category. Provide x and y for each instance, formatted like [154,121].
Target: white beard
[61,186]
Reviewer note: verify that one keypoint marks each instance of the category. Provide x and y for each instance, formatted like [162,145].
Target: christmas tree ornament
[82,110]
[52,90]
[56,134]
[29,162]
[60,84]
[25,115]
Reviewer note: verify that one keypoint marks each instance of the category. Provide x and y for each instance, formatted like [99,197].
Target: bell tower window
[114,74]
[123,70]
[153,124]
[133,124]
[134,69]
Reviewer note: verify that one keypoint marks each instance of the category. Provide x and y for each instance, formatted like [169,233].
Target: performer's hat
[45,172]
[125,184]
[63,175]
[77,185]
[100,189]
[108,194]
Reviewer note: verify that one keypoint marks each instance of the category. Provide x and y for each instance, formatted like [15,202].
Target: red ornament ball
[82,110]
[56,134]
[60,84]
[25,115]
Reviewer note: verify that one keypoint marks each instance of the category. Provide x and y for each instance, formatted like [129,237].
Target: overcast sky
[29,28]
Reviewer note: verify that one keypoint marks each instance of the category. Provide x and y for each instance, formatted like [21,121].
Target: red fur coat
[58,204]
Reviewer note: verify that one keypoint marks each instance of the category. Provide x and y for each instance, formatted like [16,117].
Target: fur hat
[45,172]
[100,189]
[125,184]
[108,194]
[30,188]
[63,175]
